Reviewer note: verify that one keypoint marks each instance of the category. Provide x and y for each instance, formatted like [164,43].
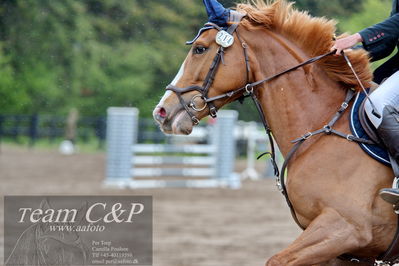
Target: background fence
[51,127]
[17,128]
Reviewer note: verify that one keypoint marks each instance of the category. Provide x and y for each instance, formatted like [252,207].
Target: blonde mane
[312,34]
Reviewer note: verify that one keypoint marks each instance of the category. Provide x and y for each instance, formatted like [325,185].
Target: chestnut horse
[333,185]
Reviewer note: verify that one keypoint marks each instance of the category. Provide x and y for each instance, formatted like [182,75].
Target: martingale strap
[328,130]
[268,130]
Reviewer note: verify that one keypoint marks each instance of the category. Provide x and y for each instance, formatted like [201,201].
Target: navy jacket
[380,40]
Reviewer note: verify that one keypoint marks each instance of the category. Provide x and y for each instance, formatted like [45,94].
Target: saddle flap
[361,127]
[368,127]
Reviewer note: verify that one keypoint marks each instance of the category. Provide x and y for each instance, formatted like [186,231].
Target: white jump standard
[133,165]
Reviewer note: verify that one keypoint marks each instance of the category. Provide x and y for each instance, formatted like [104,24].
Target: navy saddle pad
[375,151]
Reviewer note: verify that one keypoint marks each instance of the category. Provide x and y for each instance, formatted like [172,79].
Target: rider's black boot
[389,134]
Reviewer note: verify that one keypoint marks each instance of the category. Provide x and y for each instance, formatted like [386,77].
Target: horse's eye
[199,50]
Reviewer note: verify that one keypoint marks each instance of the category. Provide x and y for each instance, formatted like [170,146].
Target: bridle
[210,77]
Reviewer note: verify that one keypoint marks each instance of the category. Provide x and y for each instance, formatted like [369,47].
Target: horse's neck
[295,103]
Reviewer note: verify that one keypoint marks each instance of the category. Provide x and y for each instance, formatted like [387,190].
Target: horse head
[214,65]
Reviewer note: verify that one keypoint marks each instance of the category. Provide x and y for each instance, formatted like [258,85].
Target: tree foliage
[331,8]
[90,54]
[374,11]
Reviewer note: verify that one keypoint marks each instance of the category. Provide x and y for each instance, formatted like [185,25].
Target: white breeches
[386,94]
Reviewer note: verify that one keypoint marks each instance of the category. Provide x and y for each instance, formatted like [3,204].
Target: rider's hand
[346,42]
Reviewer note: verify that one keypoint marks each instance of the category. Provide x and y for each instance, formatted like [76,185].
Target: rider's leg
[386,102]
[386,94]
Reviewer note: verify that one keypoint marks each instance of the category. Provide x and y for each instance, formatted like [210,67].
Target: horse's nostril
[162,112]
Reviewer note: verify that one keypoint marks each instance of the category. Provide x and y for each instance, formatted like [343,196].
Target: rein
[248,88]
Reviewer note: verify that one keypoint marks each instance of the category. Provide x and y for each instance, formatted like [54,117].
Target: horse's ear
[217,13]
